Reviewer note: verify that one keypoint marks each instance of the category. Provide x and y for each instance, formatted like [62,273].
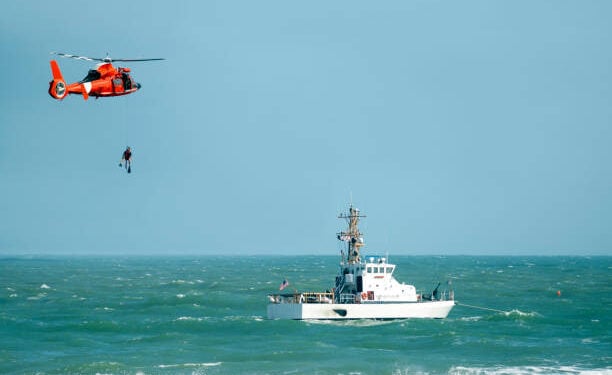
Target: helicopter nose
[138,86]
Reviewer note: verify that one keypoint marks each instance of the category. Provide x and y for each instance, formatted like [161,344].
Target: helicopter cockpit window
[92,75]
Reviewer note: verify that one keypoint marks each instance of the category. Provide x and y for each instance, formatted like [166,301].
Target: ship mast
[352,236]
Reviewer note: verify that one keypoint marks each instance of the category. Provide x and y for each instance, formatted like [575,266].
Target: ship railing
[347,298]
[304,297]
[442,296]
[318,297]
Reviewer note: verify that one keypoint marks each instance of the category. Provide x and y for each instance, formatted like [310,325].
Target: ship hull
[335,311]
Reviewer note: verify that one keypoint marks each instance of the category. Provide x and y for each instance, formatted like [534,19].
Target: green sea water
[207,315]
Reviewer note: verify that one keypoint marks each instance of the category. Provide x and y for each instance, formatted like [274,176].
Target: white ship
[364,289]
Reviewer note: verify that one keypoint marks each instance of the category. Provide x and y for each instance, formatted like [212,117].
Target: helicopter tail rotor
[57,87]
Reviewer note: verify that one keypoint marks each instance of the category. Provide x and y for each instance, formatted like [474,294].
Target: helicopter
[103,81]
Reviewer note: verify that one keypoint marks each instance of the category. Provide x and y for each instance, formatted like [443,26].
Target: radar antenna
[352,236]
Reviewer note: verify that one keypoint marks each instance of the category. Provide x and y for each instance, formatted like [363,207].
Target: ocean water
[207,315]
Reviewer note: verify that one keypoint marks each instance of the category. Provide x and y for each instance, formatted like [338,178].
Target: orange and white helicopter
[104,80]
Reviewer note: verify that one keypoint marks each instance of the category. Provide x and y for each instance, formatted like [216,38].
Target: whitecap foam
[189,318]
[520,313]
[527,370]
[180,282]
[589,340]
[470,318]
[38,296]
[354,322]
[203,364]
[45,286]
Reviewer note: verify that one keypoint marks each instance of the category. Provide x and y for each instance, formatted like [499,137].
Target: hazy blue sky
[458,127]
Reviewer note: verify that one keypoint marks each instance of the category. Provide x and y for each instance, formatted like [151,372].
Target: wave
[191,318]
[184,365]
[520,313]
[513,314]
[229,318]
[37,297]
[469,318]
[355,322]
[181,282]
[246,318]
[528,370]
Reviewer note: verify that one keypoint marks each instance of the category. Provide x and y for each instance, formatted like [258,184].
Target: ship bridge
[371,280]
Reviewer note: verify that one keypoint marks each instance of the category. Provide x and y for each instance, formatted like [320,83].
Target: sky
[456,127]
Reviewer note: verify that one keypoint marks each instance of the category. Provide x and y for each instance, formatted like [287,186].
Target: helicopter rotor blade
[67,55]
[154,59]
[106,59]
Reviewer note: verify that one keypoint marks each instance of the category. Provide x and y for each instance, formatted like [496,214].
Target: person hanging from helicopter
[127,159]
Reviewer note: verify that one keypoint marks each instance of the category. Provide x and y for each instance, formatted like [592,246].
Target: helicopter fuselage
[103,81]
